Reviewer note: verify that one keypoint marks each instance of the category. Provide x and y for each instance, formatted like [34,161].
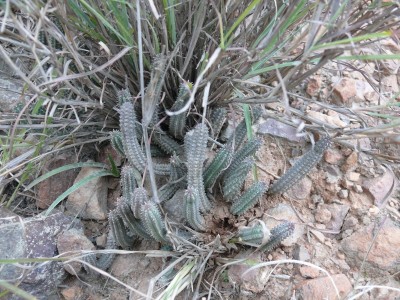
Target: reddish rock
[72,293]
[90,200]
[73,240]
[107,151]
[49,189]
[314,86]
[350,163]
[338,213]
[344,92]
[322,288]
[384,254]
[323,215]
[353,176]
[379,187]
[308,272]
[332,156]
[253,281]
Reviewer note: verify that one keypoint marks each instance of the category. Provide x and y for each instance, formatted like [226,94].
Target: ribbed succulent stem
[177,122]
[195,149]
[137,200]
[254,235]
[220,162]
[178,170]
[105,259]
[124,96]
[241,130]
[166,143]
[248,149]
[116,142]
[217,118]
[278,234]
[301,168]
[192,210]
[132,148]
[128,181]
[167,191]
[153,222]
[249,198]
[119,231]
[232,184]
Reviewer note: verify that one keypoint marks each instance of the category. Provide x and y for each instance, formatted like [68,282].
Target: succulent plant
[301,168]
[249,198]
[278,234]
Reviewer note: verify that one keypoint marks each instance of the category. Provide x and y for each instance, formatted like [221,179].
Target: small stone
[374,210]
[90,200]
[319,235]
[330,120]
[357,188]
[353,176]
[379,187]
[72,293]
[314,86]
[350,223]
[390,85]
[280,129]
[323,215]
[338,212]
[344,92]
[101,240]
[73,240]
[253,281]
[322,288]
[301,253]
[351,162]
[332,156]
[174,208]
[308,272]
[343,194]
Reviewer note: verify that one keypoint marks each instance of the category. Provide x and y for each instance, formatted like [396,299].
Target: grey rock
[301,253]
[338,213]
[32,238]
[174,208]
[276,128]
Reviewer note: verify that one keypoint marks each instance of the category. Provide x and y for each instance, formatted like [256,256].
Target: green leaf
[62,169]
[15,290]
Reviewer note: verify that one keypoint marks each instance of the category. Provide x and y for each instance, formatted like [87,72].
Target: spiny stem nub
[137,200]
[153,222]
[217,117]
[220,162]
[249,198]
[192,210]
[128,181]
[233,183]
[254,235]
[116,142]
[278,234]
[119,231]
[301,168]
[177,122]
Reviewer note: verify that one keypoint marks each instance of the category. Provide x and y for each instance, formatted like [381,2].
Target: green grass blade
[369,57]
[16,291]
[76,186]
[243,15]
[62,169]
[171,20]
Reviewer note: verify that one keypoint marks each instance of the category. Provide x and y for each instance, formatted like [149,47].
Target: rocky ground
[346,212]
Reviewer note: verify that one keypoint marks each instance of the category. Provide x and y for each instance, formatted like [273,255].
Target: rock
[72,293]
[358,188]
[90,200]
[73,240]
[389,85]
[253,281]
[344,92]
[384,254]
[174,208]
[11,89]
[343,194]
[350,163]
[323,215]
[332,156]
[353,176]
[276,128]
[338,213]
[101,240]
[319,235]
[7,216]
[32,238]
[350,223]
[284,212]
[379,187]
[106,151]
[301,253]
[322,288]
[331,120]
[314,86]
[308,272]
[301,190]
[49,189]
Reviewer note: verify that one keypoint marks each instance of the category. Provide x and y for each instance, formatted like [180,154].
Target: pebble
[323,215]
[343,194]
